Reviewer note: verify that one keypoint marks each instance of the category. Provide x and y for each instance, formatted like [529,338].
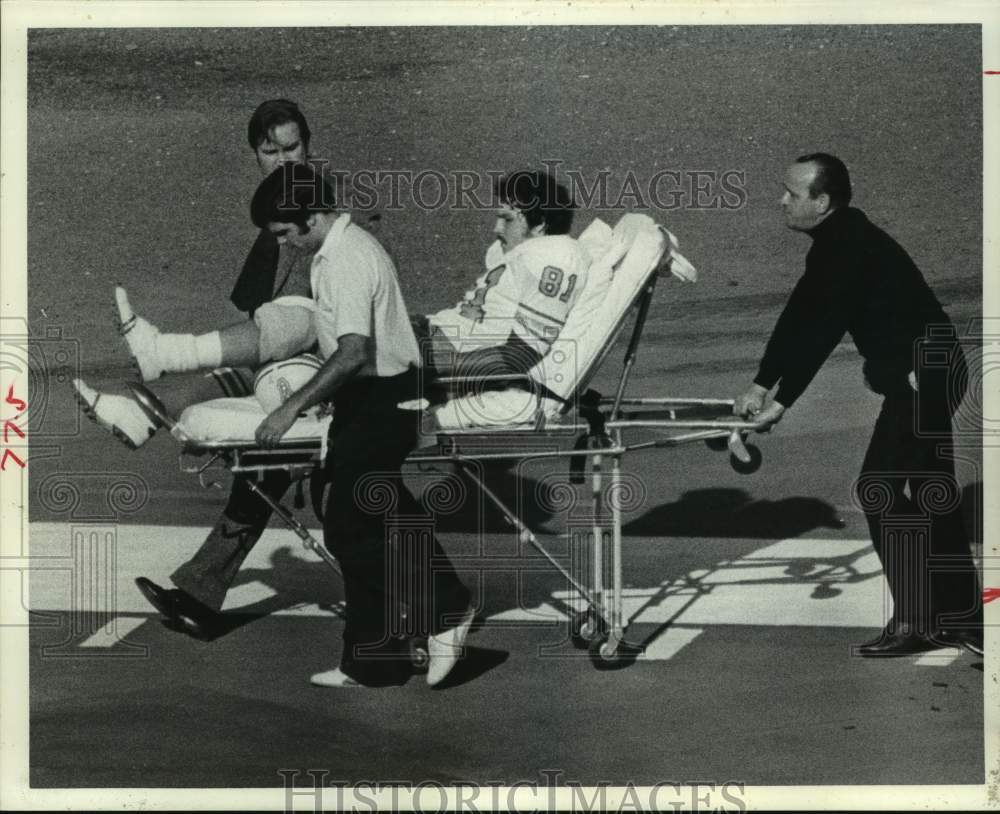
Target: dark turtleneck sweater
[860,281]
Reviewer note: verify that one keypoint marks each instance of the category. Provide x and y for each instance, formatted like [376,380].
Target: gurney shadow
[459,507]
[747,575]
[828,576]
[295,582]
[733,513]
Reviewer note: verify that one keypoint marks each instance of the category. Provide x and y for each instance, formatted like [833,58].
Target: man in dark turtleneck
[858,280]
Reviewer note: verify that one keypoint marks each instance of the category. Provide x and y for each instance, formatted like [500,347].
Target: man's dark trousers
[912,502]
[388,570]
[208,575]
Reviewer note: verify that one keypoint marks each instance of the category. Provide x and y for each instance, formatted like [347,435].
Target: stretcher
[506,417]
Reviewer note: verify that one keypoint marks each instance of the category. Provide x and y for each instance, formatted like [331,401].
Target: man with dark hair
[370,366]
[858,280]
[274,289]
[540,198]
[293,195]
[277,129]
[534,275]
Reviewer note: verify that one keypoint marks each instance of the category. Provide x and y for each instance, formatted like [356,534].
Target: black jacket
[255,285]
[860,281]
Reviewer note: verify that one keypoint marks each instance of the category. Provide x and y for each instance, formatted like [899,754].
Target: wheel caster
[747,467]
[717,444]
[419,657]
[586,627]
[604,656]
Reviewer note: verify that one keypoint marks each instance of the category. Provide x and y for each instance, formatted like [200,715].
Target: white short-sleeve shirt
[356,291]
[528,291]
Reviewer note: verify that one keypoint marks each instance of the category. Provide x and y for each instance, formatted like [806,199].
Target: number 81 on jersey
[551,283]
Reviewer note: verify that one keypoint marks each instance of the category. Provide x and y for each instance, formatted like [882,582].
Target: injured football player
[504,325]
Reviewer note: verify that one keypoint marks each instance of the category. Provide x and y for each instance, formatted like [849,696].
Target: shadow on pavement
[733,513]
[476,662]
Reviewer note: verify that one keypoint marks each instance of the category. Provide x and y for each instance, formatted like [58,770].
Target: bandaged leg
[278,330]
[157,353]
[178,353]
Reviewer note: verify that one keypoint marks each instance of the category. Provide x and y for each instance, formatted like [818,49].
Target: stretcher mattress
[236,419]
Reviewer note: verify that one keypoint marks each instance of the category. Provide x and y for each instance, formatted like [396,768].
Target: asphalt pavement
[747,591]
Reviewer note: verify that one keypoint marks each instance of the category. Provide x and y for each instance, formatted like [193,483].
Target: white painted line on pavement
[248,593]
[111,634]
[799,582]
[938,658]
[541,613]
[669,643]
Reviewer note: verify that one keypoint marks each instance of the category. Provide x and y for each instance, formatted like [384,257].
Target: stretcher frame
[600,433]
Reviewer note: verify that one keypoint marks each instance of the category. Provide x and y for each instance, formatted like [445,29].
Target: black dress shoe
[899,643]
[969,638]
[179,607]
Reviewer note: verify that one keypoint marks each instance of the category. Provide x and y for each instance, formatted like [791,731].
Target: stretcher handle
[668,402]
[489,378]
[685,424]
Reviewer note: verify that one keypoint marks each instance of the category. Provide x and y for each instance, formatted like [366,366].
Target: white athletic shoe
[445,648]
[333,678]
[120,415]
[140,336]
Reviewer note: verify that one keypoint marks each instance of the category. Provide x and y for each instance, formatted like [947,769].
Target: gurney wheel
[587,627]
[718,444]
[750,466]
[605,657]
[419,656]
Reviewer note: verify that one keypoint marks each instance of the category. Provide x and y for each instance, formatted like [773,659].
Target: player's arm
[513,357]
[548,291]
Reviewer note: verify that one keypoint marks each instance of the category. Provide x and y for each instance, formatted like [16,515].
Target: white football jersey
[528,291]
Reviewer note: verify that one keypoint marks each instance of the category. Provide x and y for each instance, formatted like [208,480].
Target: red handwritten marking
[991,73]
[10,425]
[989,594]
[8,454]
[12,399]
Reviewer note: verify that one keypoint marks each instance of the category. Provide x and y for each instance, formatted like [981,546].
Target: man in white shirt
[370,359]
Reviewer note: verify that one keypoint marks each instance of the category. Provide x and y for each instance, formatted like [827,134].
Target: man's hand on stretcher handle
[750,405]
